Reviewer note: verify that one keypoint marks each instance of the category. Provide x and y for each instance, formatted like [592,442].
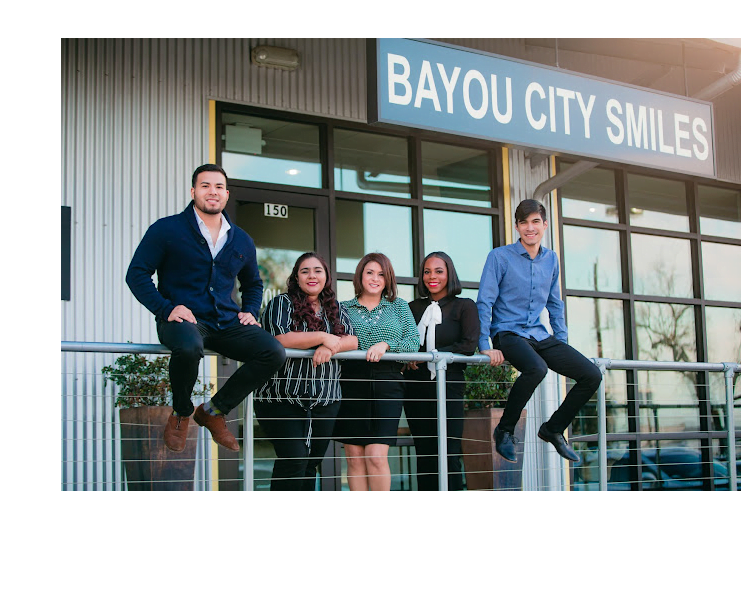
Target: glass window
[271,151]
[724,345]
[371,163]
[666,332]
[597,332]
[720,211]
[452,174]
[657,203]
[466,238]
[590,196]
[369,227]
[596,327]
[661,266]
[620,467]
[678,465]
[720,271]
[592,259]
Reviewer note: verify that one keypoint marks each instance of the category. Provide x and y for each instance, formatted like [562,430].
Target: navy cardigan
[187,274]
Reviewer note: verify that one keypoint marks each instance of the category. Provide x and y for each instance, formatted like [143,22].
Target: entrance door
[283,226]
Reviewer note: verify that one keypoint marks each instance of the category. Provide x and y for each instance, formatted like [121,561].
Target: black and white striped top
[297,381]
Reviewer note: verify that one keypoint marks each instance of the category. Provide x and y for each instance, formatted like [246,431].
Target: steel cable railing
[441,361]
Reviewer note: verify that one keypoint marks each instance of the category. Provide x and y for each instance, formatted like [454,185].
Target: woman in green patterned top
[372,394]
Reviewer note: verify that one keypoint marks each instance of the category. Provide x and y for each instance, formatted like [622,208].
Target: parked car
[664,469]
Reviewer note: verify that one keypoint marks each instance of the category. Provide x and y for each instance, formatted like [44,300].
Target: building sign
[276,210]
[460,91]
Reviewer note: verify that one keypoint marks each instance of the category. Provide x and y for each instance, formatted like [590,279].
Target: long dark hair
[303,311]
[454,284]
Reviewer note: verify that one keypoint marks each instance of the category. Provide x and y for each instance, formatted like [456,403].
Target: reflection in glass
[661,266]
[720,271]
[668,400]
[371,163]
[278,242]
[590,196]
[720,211]
[657,203]
[466,238]
[592,259]
[596,330]
[369,227]
[724,345]
[453,174]
[271,151]
[621,473]
[596,327]
[678,465]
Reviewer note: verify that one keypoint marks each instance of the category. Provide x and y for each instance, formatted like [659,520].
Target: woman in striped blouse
[297,407]
[373,393]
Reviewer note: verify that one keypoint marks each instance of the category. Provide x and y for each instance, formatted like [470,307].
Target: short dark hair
[454,284]
[208,168]
[388,275]
[528,207]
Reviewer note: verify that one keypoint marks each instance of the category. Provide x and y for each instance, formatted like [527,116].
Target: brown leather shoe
[176,432]
[216,424]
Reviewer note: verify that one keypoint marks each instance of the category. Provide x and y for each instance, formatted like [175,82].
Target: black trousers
[533,358]
[420,406]
[260,353]
[300,438]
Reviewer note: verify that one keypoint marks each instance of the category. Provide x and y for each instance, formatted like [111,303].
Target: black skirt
[372,401]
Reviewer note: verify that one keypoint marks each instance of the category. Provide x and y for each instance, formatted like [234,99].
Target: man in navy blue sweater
[197,254]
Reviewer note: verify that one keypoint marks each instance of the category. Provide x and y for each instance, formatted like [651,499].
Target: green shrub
[142,382]
[487,386]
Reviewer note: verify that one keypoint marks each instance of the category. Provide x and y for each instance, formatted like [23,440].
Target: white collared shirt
[221,241]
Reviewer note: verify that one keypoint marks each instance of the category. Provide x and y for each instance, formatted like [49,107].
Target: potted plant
[486,392]
[144,398]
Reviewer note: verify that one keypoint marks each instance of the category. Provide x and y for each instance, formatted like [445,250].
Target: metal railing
[441,361]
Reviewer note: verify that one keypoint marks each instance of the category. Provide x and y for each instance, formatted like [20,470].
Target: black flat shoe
[505,442]
[559,443]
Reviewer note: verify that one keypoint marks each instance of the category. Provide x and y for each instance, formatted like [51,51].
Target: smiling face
[210,193]
[435,277]
[531,230]
[372,280]
[311,277]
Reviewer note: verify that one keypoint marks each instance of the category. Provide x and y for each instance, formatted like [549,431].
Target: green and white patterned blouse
[391,322]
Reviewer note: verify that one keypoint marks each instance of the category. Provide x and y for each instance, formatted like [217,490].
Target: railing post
[602,364]
[728,372]
[441,366]
[249,445]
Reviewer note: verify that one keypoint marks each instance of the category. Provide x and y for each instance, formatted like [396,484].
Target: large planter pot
[485,469]
[149,464]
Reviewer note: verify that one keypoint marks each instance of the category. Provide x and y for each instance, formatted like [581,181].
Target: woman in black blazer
[445,323]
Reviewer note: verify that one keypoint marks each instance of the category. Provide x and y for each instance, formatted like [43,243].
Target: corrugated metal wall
[134,126]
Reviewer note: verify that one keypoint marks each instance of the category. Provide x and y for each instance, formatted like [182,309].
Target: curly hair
[303,311]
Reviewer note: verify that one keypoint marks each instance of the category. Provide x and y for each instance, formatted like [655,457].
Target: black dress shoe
[559,443]
[504,442]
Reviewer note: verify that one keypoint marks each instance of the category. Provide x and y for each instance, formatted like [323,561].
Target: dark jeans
[420,406]
[533,358]
[260,353]
[289,427]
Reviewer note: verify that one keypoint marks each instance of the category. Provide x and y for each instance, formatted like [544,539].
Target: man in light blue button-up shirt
[518,282]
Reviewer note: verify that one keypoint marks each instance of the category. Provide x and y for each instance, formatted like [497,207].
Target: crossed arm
[326,344]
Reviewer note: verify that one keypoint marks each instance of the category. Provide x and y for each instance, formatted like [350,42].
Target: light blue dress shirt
[515,289]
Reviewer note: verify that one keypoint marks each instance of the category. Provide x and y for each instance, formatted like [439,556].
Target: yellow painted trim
[213,371]
[507,197]
[212,132]
[213,365]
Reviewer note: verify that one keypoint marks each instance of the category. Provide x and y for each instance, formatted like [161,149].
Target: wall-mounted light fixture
[275,57]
